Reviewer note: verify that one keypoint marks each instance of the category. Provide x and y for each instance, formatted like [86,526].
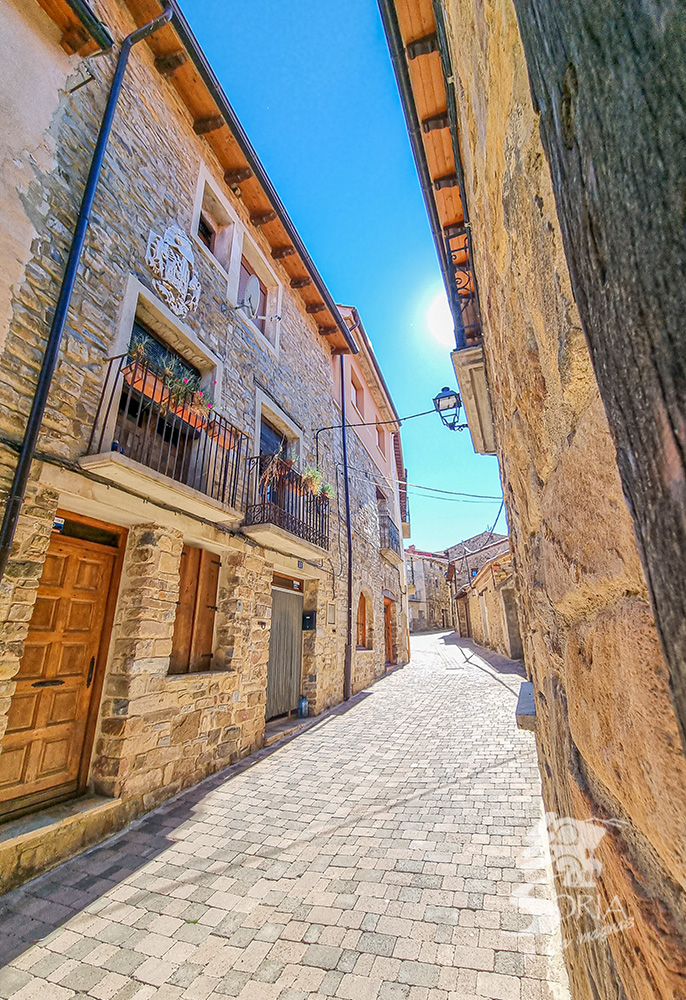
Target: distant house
[428,590]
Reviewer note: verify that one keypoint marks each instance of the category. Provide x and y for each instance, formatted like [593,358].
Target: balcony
[390,540]
[282,513]
[155,435]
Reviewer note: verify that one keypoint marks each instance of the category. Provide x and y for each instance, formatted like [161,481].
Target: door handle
[91,671]
[47,684]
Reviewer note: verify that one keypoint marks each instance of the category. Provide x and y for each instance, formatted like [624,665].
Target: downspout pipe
[391,28]
[21,473]
[95,28]
[348,665]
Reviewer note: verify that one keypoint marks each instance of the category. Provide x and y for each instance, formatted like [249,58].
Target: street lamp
[448,405]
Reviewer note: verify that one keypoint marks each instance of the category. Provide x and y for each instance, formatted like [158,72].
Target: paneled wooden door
[47,743]
[285,653]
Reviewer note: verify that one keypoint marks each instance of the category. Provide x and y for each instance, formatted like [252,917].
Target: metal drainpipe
[95,28]
[348,667]
[21,473]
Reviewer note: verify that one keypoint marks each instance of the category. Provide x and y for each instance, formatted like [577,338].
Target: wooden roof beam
[278,253]
[300,282]
[327,331]
[434,122]
[314,307]
[448,181]
[201,126]
[167,65]
[262,218]
[422,46]
[237,175]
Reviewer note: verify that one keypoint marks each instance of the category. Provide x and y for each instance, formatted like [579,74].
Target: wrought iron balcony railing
[390,536]
[156,419]
[276,495]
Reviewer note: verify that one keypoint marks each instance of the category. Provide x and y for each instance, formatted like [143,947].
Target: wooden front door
[285,653]
[46,746]
[388,629]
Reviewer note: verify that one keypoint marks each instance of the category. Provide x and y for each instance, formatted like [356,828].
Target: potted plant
[312,479]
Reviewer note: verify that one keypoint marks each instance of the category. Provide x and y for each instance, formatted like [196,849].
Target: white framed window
[250,261]
[357,393]
[275,432]
[215,225]
[381,438]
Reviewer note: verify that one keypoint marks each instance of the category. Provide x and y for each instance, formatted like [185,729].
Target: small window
[193,642]
[381,438]
[246,273]
[362,623]
[357,394]
[215,228]
[206,232]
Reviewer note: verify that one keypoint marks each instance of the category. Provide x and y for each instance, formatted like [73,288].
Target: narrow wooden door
[388,629]
[45,741]
[285,653]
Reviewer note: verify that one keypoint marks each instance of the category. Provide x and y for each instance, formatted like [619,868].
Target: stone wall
[608,743]
[493,631]
[159,732]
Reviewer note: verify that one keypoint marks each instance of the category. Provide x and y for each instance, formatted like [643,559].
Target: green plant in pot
[312,479]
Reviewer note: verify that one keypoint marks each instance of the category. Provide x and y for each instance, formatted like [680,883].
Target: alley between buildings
[380,854]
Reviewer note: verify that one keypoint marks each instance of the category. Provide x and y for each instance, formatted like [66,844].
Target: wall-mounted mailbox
[309,621]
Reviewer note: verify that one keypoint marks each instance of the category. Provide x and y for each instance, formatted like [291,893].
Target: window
[362,623]
[193,642]
[215,227]
[357,393]
[272,440]
[206,232]
[381,438]
[246,273]
[152,350]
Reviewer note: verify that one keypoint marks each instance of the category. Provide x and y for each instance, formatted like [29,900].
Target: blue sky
[313,86]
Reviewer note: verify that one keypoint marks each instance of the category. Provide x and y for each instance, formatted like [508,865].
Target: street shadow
[35,910]
[501,664]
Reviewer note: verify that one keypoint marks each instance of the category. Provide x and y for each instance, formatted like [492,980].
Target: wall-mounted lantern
[448,405]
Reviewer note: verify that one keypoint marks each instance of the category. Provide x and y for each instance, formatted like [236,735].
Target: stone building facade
[609,746]
[471,554]
[485,607]
[430,604]
[163,542]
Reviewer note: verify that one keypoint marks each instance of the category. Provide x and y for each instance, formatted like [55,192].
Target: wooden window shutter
[205,610]
[196,608]
[362,622]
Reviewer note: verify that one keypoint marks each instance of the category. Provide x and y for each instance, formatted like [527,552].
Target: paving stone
[377,944]
[322,957]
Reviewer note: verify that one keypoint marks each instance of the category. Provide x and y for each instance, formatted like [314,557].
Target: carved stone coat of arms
[171,260]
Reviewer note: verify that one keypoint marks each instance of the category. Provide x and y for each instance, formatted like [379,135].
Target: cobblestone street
[372,857]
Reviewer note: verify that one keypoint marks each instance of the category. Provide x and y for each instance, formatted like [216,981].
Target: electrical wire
[391,481]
